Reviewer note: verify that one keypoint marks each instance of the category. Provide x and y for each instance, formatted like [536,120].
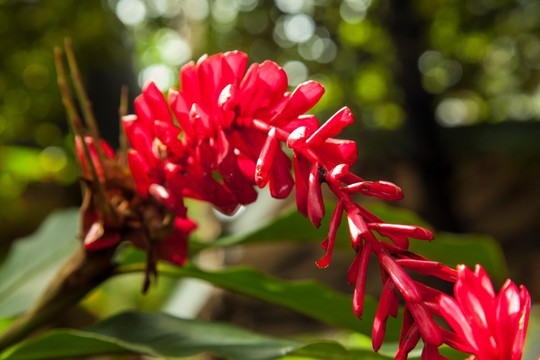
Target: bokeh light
[297,72]
[162,75]
[131,12]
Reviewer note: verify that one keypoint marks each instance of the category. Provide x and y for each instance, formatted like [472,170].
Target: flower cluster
[114,211]
[215,155]
[493,327]
[221,136]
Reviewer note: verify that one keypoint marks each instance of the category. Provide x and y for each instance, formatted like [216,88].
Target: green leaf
[469,249]
[532,345]
[165,335]
[292,226]
[447,248]
[310,298]
[33,261]
[288,226]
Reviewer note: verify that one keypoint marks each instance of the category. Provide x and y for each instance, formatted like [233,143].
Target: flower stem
[82,272]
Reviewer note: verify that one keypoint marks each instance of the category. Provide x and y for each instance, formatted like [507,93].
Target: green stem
[82,273]
[122,111]
[85,103]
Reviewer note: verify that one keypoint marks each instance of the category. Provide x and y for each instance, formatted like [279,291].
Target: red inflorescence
[116,213]
[490,326]
[221,135]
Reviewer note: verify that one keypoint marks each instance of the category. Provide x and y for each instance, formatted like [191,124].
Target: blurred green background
[446,95]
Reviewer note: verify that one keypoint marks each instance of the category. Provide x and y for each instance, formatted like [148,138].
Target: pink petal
[507,314]
[381,189]
[301,180]
[246,166]
[408,342]
[426,325]
[412,231]
[337,173]
[303,98]
[174,203]
[474,293]
[218,195]
[139,171]
[248,87]
[297,137]
[281,181]
[308,121]
[169,134]
[337,151]
[234,65]
[454,316]
[249,142]
[202,122]
[156,101]
[181,108]
[227,104]
[141,140]
[270,87]
[359,289]
[174,248]
[331,127]
[427,267]
[352,273]
[266,159]
[454,341]
[315,207]
[209,77]
[519,341]
[383,311]
[357,227]
[232,176]
[332,231]
[189,83]
[403,281]
[144,113]
[430,352]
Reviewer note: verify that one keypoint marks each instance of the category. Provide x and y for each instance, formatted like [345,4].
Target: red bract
[490,326]
[113,212]
[92,151]
[221,135]
[215,110]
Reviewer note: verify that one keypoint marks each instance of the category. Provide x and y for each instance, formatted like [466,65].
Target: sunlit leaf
[448,248]
[33,261]
[164,335]
[310,298]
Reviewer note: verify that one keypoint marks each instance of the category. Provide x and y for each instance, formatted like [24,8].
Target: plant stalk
[83,272]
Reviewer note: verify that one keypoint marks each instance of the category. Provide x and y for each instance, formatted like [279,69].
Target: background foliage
[446,95]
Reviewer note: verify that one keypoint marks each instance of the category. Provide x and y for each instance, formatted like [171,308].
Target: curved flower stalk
[113,210]
[222,135]
[490,326]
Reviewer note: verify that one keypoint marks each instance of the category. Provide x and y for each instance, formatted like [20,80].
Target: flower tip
[323,263]
[150,85]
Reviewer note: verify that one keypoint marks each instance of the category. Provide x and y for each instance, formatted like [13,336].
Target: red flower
[109,216]
[490,326]
[174,248]
[216,154]
[92,151]
[222,134]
